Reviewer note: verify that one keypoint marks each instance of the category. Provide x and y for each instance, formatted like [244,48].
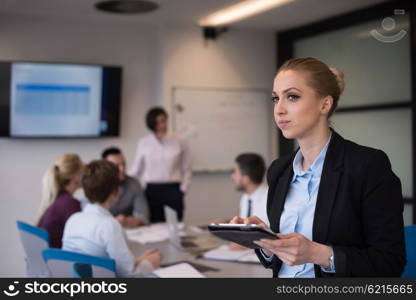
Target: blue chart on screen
[52,99]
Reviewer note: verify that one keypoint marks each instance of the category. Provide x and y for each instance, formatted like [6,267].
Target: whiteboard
[223,123]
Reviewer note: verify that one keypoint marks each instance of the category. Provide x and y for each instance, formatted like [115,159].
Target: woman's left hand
[295,249]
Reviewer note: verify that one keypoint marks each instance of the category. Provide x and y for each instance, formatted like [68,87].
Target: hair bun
[339,76]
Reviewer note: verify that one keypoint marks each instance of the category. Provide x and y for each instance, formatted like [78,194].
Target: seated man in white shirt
[248,178]
[131,209]
[248,175]
[95,231]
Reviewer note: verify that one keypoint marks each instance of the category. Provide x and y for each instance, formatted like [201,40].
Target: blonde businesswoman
[336,206]
[163,162]
[59,183]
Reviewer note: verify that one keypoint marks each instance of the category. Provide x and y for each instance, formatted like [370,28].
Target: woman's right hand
[121,219]
[252,220]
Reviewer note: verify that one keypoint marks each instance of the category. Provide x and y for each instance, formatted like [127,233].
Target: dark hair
[252,165]
[110,151]
[152,115]
[99,180]
[327,81]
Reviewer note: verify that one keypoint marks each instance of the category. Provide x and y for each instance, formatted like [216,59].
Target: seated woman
[95,231]
[59,184]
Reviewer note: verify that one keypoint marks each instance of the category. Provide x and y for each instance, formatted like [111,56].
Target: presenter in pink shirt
[163,163]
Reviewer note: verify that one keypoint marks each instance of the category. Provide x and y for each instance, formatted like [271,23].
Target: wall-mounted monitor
[45,100]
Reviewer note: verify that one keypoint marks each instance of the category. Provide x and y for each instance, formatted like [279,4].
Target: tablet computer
[242,234]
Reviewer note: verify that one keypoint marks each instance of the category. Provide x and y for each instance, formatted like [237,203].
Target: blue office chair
[34,241]
[81,271]
[410,238]
[62,263]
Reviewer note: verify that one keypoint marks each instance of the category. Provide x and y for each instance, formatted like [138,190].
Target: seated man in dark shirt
[131,210]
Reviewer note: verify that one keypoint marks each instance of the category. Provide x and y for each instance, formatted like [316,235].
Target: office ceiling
[187,12]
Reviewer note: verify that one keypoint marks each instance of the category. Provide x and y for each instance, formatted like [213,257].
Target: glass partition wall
[373,47]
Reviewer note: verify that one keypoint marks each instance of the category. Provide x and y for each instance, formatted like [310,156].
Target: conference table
[217,269]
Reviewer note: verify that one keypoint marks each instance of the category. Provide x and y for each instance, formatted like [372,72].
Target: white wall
[154,59]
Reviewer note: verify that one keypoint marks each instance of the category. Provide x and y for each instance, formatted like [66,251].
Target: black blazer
[358,210]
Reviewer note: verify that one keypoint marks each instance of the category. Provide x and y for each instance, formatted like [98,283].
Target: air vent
[126,6]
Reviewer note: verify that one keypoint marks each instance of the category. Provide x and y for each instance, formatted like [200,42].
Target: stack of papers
[182,270]
[224,253]
[150,234]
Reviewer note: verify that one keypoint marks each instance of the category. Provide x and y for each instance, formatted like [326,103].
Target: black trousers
[161,194]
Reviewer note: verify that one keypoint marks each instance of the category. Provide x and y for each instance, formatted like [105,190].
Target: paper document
[224,253]
[150,234]
[182,270]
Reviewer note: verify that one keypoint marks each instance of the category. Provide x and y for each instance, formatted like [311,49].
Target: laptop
[174,232]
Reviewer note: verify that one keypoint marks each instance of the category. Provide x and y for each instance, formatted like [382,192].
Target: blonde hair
[56,178]
[327,81]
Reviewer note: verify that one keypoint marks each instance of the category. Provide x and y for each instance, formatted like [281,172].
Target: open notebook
[181,270]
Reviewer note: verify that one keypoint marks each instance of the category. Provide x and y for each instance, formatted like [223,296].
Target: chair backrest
[410,237]
[61,264]
[34,241]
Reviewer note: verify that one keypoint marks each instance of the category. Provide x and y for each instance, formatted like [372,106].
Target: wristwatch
[331,267]
[331,261]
